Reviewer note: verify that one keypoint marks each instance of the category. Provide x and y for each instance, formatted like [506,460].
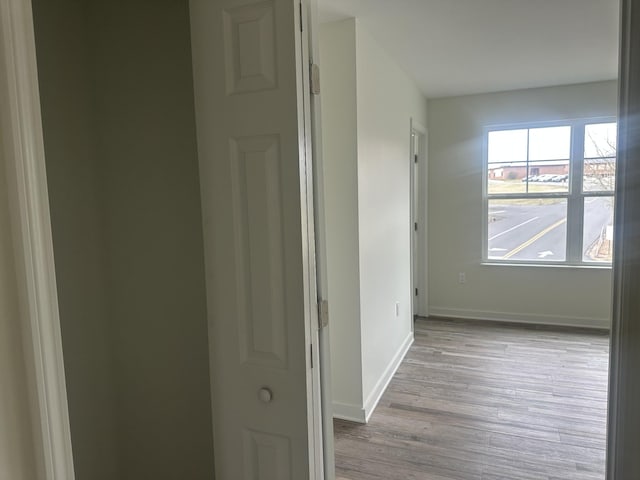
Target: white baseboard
[381,385]
[349,412]
[355,413]
[539,319]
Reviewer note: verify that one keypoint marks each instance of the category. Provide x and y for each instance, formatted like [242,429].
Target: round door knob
[265,395]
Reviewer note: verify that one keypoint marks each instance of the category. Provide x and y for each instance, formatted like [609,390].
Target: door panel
[250,120]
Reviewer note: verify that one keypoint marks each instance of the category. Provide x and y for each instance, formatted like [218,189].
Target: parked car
[544,178]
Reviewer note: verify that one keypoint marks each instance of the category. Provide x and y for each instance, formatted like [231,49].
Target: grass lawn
[517,186]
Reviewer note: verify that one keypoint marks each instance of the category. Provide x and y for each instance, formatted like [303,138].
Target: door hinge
[415,226]
[323,314]
[415,158]
[311,352]
[314,78]
[416,292]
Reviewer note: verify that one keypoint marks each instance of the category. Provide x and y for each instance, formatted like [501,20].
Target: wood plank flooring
[484,401]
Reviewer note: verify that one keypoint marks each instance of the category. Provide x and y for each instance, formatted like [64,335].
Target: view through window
[549,192]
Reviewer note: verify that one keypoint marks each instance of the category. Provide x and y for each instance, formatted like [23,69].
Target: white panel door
[249,86]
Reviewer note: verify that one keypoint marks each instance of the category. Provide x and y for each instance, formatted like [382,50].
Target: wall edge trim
[349,412]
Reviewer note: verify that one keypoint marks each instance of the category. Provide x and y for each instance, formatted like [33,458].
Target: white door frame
[308,50]
[308,16]
[623,435]
[419,215]
[23,149]
[324,354]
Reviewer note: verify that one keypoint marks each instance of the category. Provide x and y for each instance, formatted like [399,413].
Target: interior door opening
[130,239]
[361,177]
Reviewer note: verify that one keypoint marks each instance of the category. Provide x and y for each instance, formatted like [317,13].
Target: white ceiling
[458,47]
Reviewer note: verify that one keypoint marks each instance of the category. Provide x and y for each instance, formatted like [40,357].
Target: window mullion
[575,204]
[528,171]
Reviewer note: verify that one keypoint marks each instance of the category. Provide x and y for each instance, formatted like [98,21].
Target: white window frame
[574,196]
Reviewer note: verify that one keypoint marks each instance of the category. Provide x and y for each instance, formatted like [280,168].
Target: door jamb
[323,401]
[623,433]
[305,16]
[419,247]
[23,148]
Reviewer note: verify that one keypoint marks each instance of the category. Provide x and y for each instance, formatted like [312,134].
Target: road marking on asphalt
[513,228]
[537,236]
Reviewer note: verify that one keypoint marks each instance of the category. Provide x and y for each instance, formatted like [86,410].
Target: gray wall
[118,115]
[67,93]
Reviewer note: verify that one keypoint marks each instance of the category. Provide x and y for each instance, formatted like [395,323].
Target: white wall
[387,101]
[367,106]
[554,295]
[339,131]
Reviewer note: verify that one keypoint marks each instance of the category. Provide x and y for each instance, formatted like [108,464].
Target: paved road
[599,213]
[538,232]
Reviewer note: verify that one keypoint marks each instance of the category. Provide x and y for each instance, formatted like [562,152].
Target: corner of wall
[349,412]
[381,385]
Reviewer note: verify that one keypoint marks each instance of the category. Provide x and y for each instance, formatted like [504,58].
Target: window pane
[509,178]
[506,146]
[548,176]
[599,174]
[533,229]
[598,229]
[600,140]
[550,143]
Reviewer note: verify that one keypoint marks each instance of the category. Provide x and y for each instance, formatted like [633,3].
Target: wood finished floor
[480,401]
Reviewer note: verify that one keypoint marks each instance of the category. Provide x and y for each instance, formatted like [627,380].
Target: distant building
[593,167]
[508,171]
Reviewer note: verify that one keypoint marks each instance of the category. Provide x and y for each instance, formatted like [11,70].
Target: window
[549,192]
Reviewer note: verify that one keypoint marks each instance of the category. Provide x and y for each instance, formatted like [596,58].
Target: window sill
[586,266]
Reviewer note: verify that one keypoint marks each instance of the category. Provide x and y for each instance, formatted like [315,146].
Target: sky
[549,143]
